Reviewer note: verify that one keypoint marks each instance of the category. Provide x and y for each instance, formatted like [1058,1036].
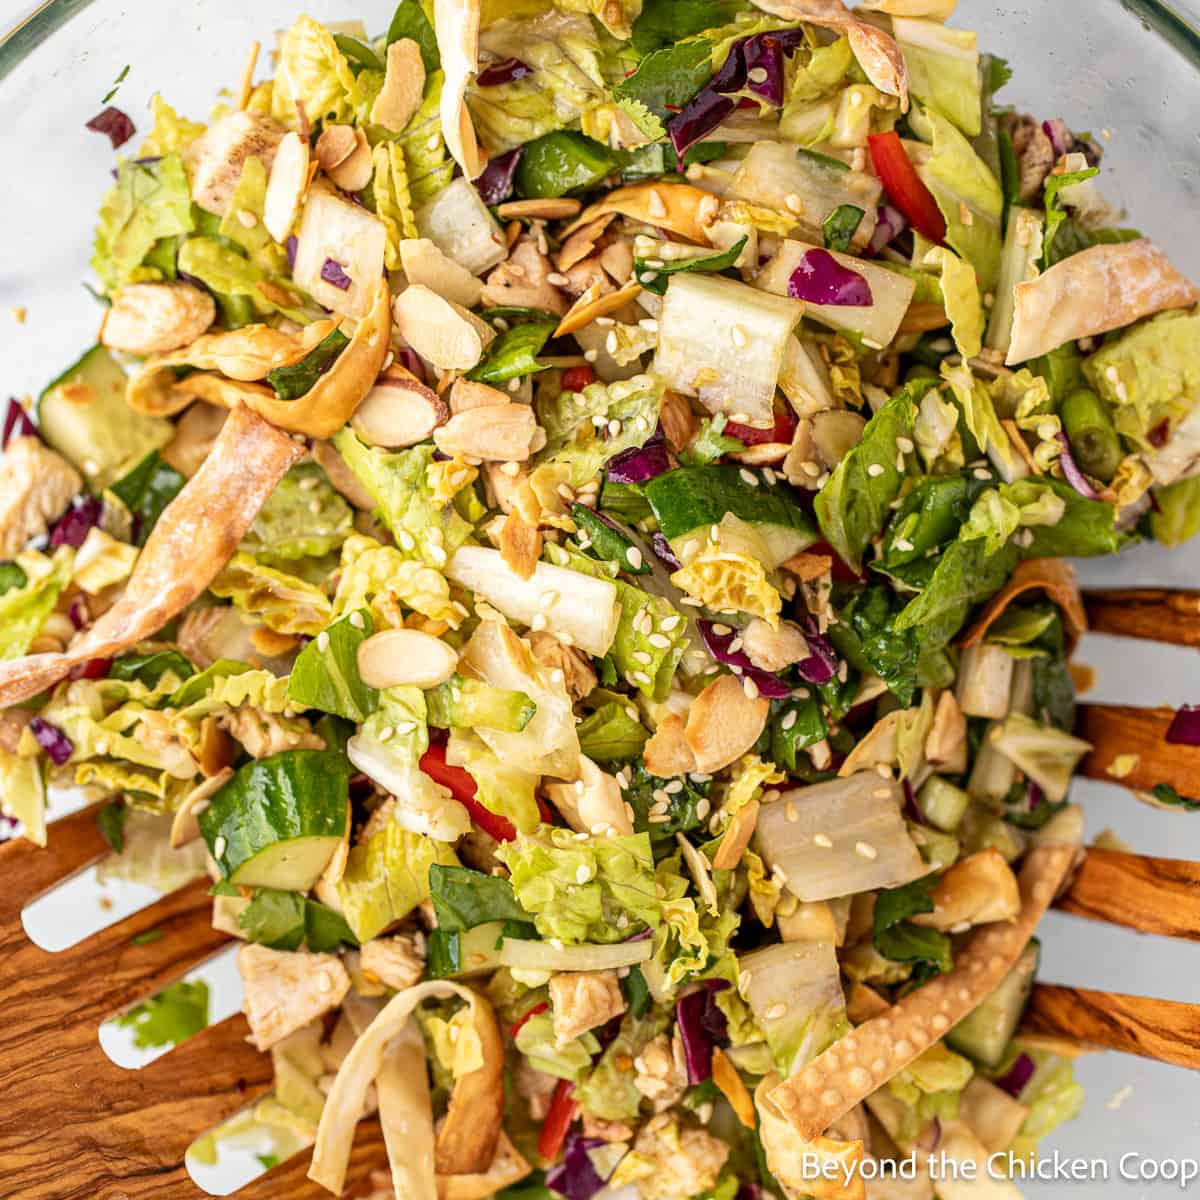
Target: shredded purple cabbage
[1017,1076]
[495,185]
[52,739]
[763,54]
[640,463]
[290,246]
[662,548]
[333,272]
[890,223]
[1071,472]
[1184,729]
[78,612]
[411,361]
[718,644]
[1058,133]
[821,279]
[576,1176]
[912,810]
[72,528]
[508,70]
[822,664]
[702,1025]
[114,124]
[16,423]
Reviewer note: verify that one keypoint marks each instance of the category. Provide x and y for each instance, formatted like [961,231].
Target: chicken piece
[606,1131]
[36,485]
[682,1161]
[396,961]
[578,677]
[535,1087]
[284,990]
[263,734]
[214,160]
[774,649]
[662,1071]
[524,280]
[582,1000]
[1035,156]
[154,318]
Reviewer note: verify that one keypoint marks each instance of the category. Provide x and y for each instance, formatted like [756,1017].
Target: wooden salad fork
[78,1126]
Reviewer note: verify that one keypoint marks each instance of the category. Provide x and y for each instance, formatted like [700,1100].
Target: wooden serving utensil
[78,1127]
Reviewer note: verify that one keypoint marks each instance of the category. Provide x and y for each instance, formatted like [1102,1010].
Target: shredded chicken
[263,734]
[397,961]
[583,1000]
[606,1131]
[578,677]
[686,1161]
[1035,156]
[36,485]
[284,990]
[524,280]
[215,159]
[662,1071]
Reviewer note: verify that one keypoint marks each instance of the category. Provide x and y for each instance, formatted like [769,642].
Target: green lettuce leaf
[664,22]
[285,602]
[960,295]
[303,517]
[325,675]
[146,491]
[166,667]
[668,78]
[463,898]
[429,167]
[514,353]
[23,794]
[23,610]
[536,1040]
[983,422]
[310,68]
[288,920]
[609,1092]
[897,938]
[399,485]
[943,69]
[382,577]
[1053,1097]
[250,196]
[593,889]
[172,1016]
[1176,516]
[1084,529]
[502,788]
[612,733]
[170,132]
[150,201]
[410,21]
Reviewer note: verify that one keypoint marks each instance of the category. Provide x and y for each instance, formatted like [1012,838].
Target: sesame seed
[875,470]
[659,642]
[982,473]
[905,444]
[642,657]
[514,385]
[510,469]
[356,619]
[640,677]
[748,477]
[737,335]
[406,540]
[557,280]
[583,873]
[219,847]
[823,840]
[903,544]
[793,203]
[590,356]
[322,641]
[776,1011]
[703,807]
[865,850]
[614,428]
[671,622]
[757,75]
[789,720]
[648,276]
[790,812]
[750,688]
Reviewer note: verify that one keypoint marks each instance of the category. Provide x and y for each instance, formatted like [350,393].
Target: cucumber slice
[462,703]
[985,1033]
[697,498]
[466,952]
[277,822]
[83,415]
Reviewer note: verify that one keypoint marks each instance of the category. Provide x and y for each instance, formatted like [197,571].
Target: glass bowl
[1127,70]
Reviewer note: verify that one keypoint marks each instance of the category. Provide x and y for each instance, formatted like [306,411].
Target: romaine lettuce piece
[170,132]
[399,483]
[304,517]
[960,294]
[24,609]
[1018,264]
[23,794]
[383,578]
[537,1042]
[1053,1097]
[584,889]
[502,788]
[250,197]
[609,1092]
[285,602]
[943,69]
[311,69]
[979,414]
[1046,754]
[1176,517]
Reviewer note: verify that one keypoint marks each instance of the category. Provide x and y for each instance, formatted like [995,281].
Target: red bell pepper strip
[519,1023]
[463,788]
[563,1110]
[905,187]
[575,379]
[781,432]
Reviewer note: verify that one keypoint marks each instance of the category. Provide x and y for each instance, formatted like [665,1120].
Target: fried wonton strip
[466,1142]
[456,25]
[876,51]
[320,413]
[1054,576]
[508,1166]
[865,1059]
[404,1094]
[249,353]
[1091,292]
[194,538]
[679,207]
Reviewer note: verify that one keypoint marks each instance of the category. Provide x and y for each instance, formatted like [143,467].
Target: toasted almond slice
[922,316]
[737,837]
[403,86]
[725,1076]
[617,260]
[185,827]
[354,172]
[807,566]
[547,209]
[495,433]
[422,262]
[679,423]
[216,749]
[679,207]
[591,305]
[520,545]
[667,753]
[286,186]
[398,411]
[975,891]
[724,723]
[335,145]
[1054,576]
[582,242]
[441,332]
[405,658]
[466,394]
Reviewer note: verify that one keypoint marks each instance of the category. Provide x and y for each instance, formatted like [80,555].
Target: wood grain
[290,1179]
[1165,1030]
[1137,736]
[1150,613]
[1151,895]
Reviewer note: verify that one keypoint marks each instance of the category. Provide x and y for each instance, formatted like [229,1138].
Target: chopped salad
[566,521]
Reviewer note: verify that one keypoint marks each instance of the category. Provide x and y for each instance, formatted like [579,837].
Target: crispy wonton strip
[320,413]
[1054,576]
[456,26]
[508,1166]
[865,1059]
[1092,292]
[679,207]
[194,538]
[378,1056]
[249,353]
[876,51]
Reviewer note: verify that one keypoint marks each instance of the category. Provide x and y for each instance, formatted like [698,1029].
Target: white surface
[45,250]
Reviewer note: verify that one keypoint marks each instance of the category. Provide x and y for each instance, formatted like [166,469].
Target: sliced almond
[467,394]
[441,332]
[582,242]
[398,411]
[678,421]
[496,433]
[354,172]
[548,209]
[667,753]
[185,827]
[335,145]
[591,305]
[724,723]
[422,262]
[403,86]
[216,749]
[405,658]
[737,837]
[286,186]
[520,545]
[617,259]
[325,455]
[725,1076]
